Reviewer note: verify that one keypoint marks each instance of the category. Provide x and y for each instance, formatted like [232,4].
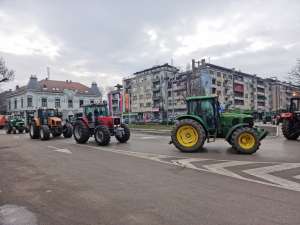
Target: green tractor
[204,121]
[16,123]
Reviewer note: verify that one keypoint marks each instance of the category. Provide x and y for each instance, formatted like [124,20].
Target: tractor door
[209,114]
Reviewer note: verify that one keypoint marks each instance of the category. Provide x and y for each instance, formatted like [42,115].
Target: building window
[9,105]
[91,101]
[70,103]
[44,102]
[22,102]
[57,103]
[16,103]
[80,103]
[29,101]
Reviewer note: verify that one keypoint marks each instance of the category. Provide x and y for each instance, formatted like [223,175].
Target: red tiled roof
[62,85]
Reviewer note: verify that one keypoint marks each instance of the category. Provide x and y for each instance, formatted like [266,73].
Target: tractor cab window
[205,109]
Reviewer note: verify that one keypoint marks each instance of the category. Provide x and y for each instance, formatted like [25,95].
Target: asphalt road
[146,181]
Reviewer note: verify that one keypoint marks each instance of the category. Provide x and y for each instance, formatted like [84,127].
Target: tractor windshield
[97,110]
[204,108]
[51,113]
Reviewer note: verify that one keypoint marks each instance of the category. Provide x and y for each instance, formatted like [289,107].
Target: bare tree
[5,73]
[294,75]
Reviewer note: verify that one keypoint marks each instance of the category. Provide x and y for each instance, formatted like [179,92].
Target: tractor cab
[295,105]
[49,117]
[206,107]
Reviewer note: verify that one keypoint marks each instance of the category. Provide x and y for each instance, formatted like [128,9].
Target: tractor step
[211,137]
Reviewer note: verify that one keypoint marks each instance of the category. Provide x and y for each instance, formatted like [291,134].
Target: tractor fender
[228,135]
[192,117]
[84,120]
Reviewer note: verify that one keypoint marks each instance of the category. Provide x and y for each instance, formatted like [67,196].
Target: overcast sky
[104,41]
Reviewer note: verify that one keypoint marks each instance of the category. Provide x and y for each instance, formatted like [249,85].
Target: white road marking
[16,215]
[219,168]
[188,163]
[297,177]
[148,137]
[264,173]
[63,150]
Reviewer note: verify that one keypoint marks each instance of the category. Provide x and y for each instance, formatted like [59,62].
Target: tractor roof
[201,97]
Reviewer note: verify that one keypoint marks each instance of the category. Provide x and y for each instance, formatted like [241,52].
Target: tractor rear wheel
[288,131]
[188,135]
[102,135]
[34,132]
[81,132]
[245,140]
[126,135]
[67,130]
[44,133]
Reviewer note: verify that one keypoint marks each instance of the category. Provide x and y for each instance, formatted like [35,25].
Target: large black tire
[188,135]
[26,129]
[34,131]
[67,130]
[81,132]
[56,133]
[44,133]
[288,131]
[14,130]
[102,135]
[21,130]
[126,135]
[245,140]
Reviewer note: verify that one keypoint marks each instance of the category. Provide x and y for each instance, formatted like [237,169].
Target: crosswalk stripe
[219,168]
[264,173]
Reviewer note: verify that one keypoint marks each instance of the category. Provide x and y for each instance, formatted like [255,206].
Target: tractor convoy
[204,122]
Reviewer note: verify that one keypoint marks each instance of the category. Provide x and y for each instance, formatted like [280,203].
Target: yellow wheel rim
[246,141]
[187,136]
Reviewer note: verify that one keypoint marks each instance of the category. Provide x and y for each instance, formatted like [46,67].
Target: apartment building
[115,101]
[67,96]
[159,92]
[146,92]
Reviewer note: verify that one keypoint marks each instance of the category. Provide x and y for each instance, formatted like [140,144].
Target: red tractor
[291,120]
[96,122]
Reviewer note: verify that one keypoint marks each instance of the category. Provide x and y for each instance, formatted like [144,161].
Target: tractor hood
[236,118]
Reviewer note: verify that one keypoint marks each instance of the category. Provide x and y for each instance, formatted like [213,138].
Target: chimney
[17,87]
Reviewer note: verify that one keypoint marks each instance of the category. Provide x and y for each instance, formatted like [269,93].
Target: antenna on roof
[48,72]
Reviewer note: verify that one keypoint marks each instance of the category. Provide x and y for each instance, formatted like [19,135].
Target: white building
[67,96]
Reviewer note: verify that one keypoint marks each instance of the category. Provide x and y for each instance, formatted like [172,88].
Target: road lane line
[264,173]
[63,150]
[188,163]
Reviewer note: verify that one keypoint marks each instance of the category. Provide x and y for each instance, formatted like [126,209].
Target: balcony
[156,88]
[156,97]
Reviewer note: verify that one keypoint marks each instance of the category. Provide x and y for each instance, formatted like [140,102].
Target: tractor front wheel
[288,130]
[188,135]
[14,130]
[125,136]
[21,130]
[102,135]
[67,130]
[81,132]
[44,133]
[245,140]
[34,132]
